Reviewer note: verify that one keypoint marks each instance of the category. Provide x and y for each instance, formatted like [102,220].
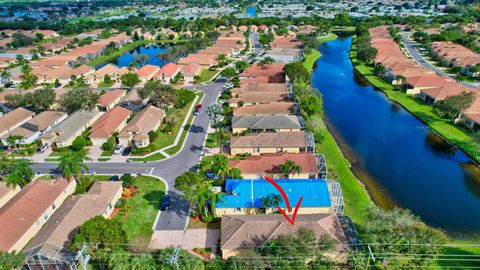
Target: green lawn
[354,194]
[142,209]
[330,36]
[309,59]
[206,75]
[459,255]
[103,84]
[154,157]
[421,110]
[344,29]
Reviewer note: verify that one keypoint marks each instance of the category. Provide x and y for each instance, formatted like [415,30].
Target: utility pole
[83,256]
[174,258]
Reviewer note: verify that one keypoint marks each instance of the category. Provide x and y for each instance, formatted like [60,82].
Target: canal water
[403,159]
[151,50]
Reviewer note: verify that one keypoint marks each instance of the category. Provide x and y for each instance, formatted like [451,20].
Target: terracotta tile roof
[61,227]
[191,69]
[23,210]
[439,93]
[204,59]
[111,96]
[274,108]
[168,70]
[475,107]
[429,81]
[261,87]
[260,97]
[249,231]
[143,122]
[289,139]
[147,71]
[269,163]
[264,79]
[15,117]
[109,122]
[107,69]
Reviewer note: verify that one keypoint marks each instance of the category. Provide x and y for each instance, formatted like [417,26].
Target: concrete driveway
[188,239]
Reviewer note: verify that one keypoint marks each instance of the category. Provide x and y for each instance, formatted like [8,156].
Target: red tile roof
[110,96]
[269,163]
[109,122]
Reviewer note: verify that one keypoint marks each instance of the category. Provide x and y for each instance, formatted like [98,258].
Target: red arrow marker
[292,221]
[279,188]
[287,202]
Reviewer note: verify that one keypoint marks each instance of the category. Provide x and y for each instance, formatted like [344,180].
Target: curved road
[168,169]
[411,47]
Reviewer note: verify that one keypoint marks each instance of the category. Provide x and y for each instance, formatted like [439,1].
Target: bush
[107,146]
[121,203]
[183,97]
[78,144]
[207,219]
[127,180]
[168,127]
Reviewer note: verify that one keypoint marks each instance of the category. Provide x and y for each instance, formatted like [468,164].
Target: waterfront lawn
[459,255]
[421,110]
[330,36]
[355,196]
[206,75]
[142,209]
[309,59]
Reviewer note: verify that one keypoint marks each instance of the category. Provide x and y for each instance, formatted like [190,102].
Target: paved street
[411,47]
[167,169]
[257,47]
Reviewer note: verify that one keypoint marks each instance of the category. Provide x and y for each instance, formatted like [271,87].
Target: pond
[395,154]
[151,50]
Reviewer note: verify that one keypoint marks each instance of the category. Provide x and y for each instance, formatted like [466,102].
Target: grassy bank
[355,196]
[130,46]
[330,36]
[421,110]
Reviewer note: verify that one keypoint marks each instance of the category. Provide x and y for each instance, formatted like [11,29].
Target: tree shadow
[457,258]
[154,198]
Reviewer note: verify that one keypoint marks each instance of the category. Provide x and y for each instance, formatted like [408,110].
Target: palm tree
[271,201]
[142,262]
[6,75]
[265,61]
[72,164]
[28,79]
[119,260]
[220,165]
[12,140]
[290,167]
[221,59]
[21,174]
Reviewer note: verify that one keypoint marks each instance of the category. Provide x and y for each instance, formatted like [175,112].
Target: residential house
[471,115]
[24,215]
[285,55]
[205,60]
[136,132]
[415,84]
[273,108]
[99,74]
[56,235]
[133,101]
[432,95]
[7,193]
[254,98]
[245,196]
[262,87]
[167,73]
[267,123]
[110,99]
[240,234]
[112,121]
[189,72]
[64,133]
[30,131]
[268,164]
[272,142]
[147,72]
[14,119]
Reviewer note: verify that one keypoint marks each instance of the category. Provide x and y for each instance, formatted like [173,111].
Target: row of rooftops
[437,87]
[456,54]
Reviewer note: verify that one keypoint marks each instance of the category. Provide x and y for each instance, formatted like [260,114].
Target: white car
[118,149]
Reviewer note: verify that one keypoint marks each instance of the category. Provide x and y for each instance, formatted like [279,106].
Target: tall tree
[141,58]
[221,59]
[21,173]
[72,164]
[29,80]
[13,260]
[159,94]
[99,233]
[76,99]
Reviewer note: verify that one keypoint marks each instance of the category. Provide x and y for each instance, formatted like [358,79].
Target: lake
[402,159]
[125,59]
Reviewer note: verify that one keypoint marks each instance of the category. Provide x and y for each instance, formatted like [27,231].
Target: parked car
[165,203]
[118,149]
[42,148]
[211,175]
[126,151]
[114,178]
[4,147]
